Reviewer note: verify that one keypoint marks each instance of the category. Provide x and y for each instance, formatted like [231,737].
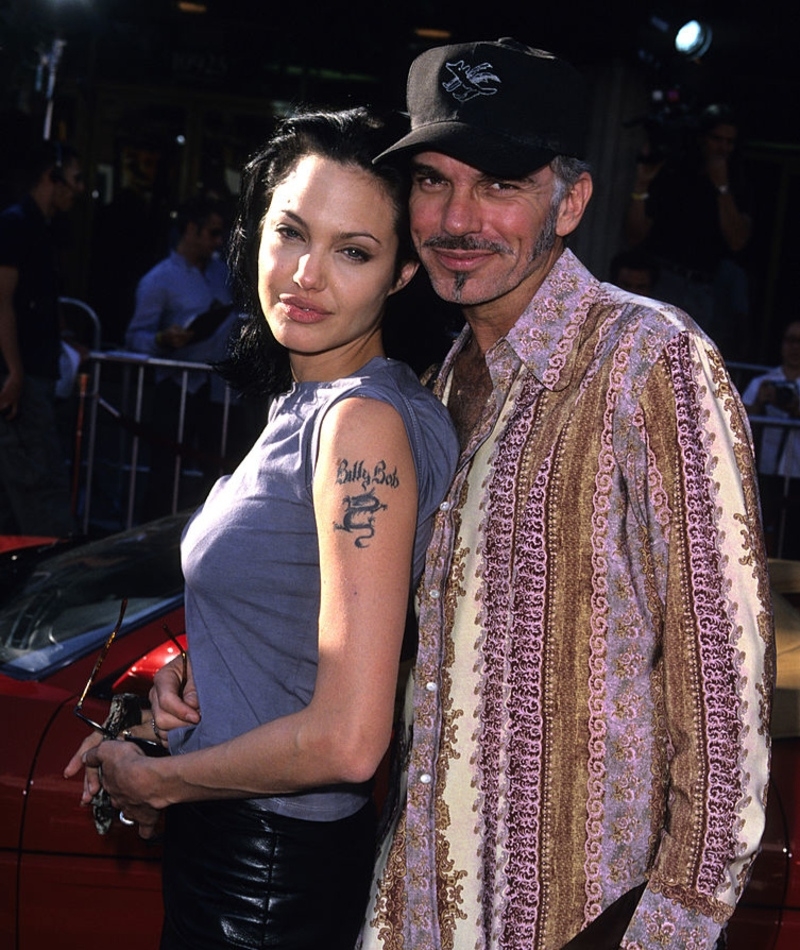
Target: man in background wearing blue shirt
[184,312]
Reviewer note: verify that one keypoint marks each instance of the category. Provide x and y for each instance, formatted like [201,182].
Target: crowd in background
[687,228]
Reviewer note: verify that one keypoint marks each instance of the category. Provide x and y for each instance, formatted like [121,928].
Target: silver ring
[125,820]
[155,729]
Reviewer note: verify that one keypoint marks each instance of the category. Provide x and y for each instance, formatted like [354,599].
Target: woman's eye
[356,254]
[288,232]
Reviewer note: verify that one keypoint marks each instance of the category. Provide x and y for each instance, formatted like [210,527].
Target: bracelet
[640,195]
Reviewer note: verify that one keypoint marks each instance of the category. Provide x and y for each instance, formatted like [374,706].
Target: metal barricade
[91,320]
[117,385]
[780,491]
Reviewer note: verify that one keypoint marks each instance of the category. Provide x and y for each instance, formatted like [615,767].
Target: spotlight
[431,33]
[693,39]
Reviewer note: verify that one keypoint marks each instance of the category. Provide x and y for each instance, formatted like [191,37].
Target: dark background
[162,103]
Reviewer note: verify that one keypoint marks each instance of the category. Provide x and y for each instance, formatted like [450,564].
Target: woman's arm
[365,499]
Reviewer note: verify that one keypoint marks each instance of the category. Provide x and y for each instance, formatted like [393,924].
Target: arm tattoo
[360,509]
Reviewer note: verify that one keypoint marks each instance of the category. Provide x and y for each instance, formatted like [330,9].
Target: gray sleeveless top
[251,564]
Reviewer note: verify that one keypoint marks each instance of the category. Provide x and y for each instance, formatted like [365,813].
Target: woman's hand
[91,777]
[129,777]
[173,697]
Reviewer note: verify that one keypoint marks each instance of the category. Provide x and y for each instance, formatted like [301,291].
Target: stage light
[693,39]
[432,33]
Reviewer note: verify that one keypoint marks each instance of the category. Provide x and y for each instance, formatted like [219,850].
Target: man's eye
[427,181]
[503,186]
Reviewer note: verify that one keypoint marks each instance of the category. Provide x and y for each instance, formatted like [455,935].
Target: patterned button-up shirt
[592,689]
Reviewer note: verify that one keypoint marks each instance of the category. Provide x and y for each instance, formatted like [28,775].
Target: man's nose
[461,213]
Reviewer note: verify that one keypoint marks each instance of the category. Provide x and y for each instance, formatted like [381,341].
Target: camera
[671,125]
[669,133]
[785,395]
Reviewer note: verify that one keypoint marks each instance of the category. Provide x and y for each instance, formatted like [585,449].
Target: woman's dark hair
[258,365]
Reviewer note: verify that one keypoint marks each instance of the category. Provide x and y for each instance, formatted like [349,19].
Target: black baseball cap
[500,106]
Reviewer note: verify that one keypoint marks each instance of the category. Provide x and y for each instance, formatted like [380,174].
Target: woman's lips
[303,311]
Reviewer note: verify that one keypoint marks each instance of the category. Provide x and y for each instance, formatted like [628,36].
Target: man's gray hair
[567,171]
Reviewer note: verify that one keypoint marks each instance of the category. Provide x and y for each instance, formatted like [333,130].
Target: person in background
[777,394]
[587,755]
[34,481]
[690,209]
[130,232]
[634,271]
[298,567]
[191,281]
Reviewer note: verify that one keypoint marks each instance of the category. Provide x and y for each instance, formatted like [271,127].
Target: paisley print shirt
[592,689]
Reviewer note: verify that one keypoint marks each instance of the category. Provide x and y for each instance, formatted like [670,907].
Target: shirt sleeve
[150,315]
[693,451]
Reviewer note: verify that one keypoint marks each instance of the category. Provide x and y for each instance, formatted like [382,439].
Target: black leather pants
[237,876]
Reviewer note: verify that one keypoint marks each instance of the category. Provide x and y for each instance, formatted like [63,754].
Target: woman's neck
[334,364]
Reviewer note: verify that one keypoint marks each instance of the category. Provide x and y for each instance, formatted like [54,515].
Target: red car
[63,884]
[768,915]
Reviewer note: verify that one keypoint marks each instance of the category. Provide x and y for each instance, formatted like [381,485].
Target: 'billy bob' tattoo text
[360,509]
[359,473]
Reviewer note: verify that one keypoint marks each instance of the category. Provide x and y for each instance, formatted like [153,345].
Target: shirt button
[431,687]
[434,595]
[425,778]
[445,506]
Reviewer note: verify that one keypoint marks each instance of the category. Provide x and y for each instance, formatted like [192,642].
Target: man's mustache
[449,242]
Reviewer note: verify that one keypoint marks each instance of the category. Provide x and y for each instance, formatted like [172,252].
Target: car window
[68,603]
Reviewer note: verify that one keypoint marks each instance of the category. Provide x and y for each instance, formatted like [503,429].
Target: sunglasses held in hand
[148,746]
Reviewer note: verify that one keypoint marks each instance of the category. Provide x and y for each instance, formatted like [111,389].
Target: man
[588,760]
[691,212]
[634,271]
[190,282]
[776,394]
[34,483]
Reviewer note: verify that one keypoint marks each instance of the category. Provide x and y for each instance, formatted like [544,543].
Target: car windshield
[69,602]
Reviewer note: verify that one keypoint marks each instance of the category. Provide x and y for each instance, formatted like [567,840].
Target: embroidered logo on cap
[470,81]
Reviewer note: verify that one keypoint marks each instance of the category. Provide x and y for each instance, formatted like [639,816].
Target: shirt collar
[547,335]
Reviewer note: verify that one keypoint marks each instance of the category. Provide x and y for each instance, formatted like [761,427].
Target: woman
[298,568]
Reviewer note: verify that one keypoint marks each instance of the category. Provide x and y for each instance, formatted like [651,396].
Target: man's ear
[406,273]
[573,204]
